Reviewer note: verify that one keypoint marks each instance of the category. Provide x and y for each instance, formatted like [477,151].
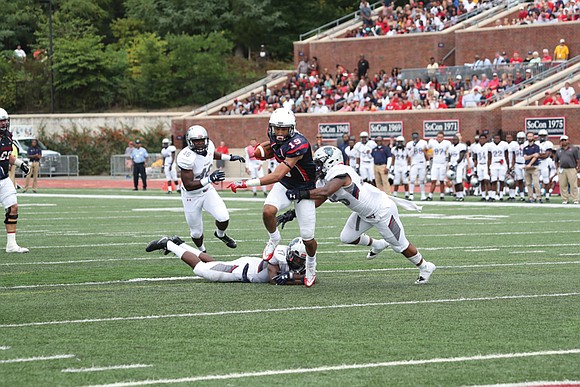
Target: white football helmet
[400,141]
[194,134]
[165,142]
[4,120]
[364,134]
[326,158]
[451,174]
[509,181]
[543,132]
[282,118]
[474,181]
[296,255]
[521,137]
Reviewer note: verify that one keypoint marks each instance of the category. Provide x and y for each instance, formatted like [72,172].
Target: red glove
[237,184]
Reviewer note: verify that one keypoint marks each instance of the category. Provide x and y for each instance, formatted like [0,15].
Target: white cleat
[16,249]
[310,277]
[425,273]
[268,252]
[372,254]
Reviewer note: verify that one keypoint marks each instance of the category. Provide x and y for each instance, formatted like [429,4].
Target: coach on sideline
[140,157]
[567,161]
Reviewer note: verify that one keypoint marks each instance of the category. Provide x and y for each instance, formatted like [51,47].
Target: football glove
[25,168]
[237,184]
[286,217]
[296,194]
[282,278]
[217,176]
[237,158]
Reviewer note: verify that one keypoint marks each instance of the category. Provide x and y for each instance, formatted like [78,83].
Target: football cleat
[310,276]
[227,240]
[16,249]
[268,252]
[372,254]
[177,240]
[425,273]
[159,244]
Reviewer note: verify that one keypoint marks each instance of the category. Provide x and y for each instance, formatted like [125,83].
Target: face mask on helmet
[296,255]
[326,158]
[197,139]
[4,121]
[165,143]
[282,125]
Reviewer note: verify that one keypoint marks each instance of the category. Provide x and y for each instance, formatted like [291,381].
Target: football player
[286,266]
[350,152]
[364,157]
[400,166]
[546,148]
[169,166]
[7,189]
[371,207]
[518,163]
[457,166]
[295,171]
[498,150]
[254,167]
[480,154]
[440,148]
[197,192]
[417,154]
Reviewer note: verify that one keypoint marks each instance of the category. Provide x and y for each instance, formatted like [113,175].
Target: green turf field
[88,305]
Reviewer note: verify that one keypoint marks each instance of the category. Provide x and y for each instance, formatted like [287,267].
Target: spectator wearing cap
[382,159]
[568,93]
[561,52]
[528,57]
[140,158]
[459,82]
[567,159]
[494,82]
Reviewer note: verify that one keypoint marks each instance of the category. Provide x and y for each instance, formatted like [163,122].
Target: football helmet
[474,181]
[428,177]
[4,117]
[296,255]
[543,132]
[400,141]
[521,137]
[281,118]
[451,175]
[509,181]
[165,142]
[326,158]
[197,139]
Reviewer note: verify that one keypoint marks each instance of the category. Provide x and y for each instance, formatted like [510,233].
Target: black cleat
[429,199]
[227,240]
[159,244]
[177,240]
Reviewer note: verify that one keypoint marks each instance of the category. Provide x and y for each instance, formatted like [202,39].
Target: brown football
[263,151]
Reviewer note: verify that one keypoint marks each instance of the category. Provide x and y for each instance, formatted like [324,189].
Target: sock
[512,193]
[254,189]
[395,194]
[431,195]
[492,194]
[379,244]
[422,186]
[460,194]
[188,248]
[501,194]
[201,247]
[311,261]
[411,189]
[264,189]
[11,239]
[169,187]
[275,236]
[220,233]
[417,260]
[180,250]
[364,240]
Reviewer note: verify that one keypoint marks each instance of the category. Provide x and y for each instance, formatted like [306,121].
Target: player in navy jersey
[295,171]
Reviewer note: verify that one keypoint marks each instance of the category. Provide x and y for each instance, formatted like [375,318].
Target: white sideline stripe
[570,254]
[535,384]
[36,358]
[289,309]
[4,347]
[185,278]
[477,250]
[527,252]
[97,369]
[342,367]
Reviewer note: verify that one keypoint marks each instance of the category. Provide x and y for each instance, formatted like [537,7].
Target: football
[263,151]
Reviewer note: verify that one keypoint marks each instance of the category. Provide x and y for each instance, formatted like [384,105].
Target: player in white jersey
[371,207]
[518,163]
[546,149]
[169,165]
[284,268]
[197,192]
[440,148]
[351,153]
[480,152]
[498,166]
[400,166]
[254,167]
[417,154]
[457,165]
[364,157]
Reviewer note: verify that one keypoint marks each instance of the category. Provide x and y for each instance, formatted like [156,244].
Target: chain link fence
[67,165]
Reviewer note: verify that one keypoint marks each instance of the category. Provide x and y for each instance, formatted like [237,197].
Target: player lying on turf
[286,267]
[370,206]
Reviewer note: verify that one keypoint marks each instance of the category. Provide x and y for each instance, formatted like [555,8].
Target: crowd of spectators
[541,12]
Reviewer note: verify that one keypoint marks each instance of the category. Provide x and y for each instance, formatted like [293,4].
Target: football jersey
[351,153]
[498,151]
[455,151]
[518,150]
[363,151]
[303,175]
[544,147]
[167,154]
[416,151]
[5,152]
[440,150]
[481,152]
[400,155]
[362,198]
[192,161]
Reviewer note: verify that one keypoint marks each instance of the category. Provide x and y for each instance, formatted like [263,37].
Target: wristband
[253,183]
[226,157]
[291,275]
[18,162]
[205,181]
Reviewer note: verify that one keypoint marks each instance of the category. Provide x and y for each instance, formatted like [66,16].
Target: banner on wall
[449,128]
[555,126]
[332,131]
[386,129]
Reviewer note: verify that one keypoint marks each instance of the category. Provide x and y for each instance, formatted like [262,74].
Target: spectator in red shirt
[405,103]
[494,82]
[516,58]
[548,100]
[546,56]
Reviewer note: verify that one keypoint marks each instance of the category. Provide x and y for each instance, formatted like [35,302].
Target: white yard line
[4,347]
[186,278]
[527,252]
[37,358]
[109,368]
[538,383]
[289,309]
[342,367]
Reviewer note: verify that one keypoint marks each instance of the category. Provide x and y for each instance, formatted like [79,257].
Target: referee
[140,158]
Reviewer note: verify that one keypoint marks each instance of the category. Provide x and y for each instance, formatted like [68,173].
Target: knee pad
[10,219]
